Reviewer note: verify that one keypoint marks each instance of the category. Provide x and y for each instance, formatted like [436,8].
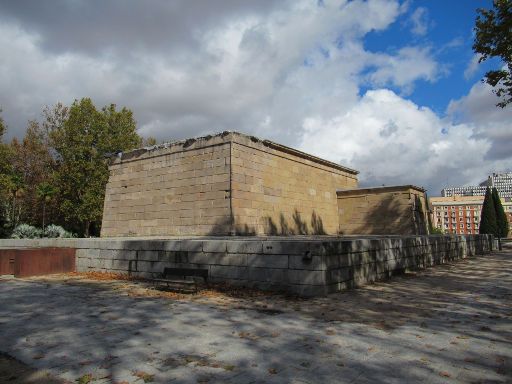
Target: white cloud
[393,141]
[288,71]
[493,123]
[419,21]
[404,68]
[472,67]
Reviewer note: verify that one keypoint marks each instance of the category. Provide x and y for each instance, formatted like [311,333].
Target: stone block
[154,245]
[339,275]
[228,272]
[158,266]
[239,259]
[82,263]
[94,252]
[267,261]
[268,275]
[381,268]
[148,255]
[326,248]
[217,246]
[190,245]
[117,254]
[296,276]
[120,265]
[332,261]
[247,246]
[307,262]
[286,247]
[100,263]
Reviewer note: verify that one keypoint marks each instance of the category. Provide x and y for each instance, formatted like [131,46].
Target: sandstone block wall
[279,192]
[182,189]
[306,267]
[397,210]
[219,185]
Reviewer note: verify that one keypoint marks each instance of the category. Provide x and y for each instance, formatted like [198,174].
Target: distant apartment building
[501,181]
[457,214]
[461,214]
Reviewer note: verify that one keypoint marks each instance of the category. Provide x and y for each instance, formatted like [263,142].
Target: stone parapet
[304,266]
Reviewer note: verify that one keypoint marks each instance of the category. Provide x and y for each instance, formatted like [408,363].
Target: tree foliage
[488,222]
[501,216]
[34,165]
[57,173]
[493,38]
[5,181]
[81,144]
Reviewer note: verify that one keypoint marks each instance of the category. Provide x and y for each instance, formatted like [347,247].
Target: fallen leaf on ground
[148,378]
[84,379]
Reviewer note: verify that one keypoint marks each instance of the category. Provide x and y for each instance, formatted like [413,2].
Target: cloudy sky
[391,88]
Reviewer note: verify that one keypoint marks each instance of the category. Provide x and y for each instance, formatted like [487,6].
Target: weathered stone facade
[180,189]
[223,184]
[397,210]
[280,191]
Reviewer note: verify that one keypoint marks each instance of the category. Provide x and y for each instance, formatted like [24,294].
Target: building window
[461,226]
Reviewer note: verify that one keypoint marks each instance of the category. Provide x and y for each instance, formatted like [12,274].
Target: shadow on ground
[450,323]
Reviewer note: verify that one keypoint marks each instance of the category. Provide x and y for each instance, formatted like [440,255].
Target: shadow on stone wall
[386,218]
[284,227]
[298,226]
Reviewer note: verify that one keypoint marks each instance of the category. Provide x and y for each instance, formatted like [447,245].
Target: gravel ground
[447,324]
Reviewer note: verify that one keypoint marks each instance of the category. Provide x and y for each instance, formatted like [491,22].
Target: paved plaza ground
[447,324]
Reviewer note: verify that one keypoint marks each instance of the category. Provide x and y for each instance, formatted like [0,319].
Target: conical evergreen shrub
[488,222]
[501,216]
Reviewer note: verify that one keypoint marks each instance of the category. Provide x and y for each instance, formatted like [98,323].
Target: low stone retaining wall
[299,265]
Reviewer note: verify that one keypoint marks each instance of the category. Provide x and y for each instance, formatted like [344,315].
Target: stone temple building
[234,184]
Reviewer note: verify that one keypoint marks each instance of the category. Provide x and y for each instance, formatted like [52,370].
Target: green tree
[5,181]
[501,216]
[33,162]
[493,38]
[45,192]
[82,142]
[488,222]
[3,128]
[15,186]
